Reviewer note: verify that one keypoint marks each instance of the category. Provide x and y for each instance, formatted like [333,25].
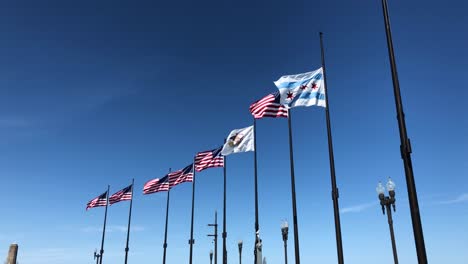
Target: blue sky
[99,92]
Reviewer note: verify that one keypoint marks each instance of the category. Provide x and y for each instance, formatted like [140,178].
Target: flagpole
[293,193]
[104,228]
[405,147]
[335,194]
[165,230]
[129,219]
[256,192]
[192,241]
[224,215]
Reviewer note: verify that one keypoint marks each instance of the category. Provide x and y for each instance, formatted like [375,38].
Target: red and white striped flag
[156,185]
[123,195]
[181,176]
[101,200]
[269,106]
[209,159]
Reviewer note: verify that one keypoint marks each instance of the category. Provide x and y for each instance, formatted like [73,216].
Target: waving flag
[123,195]
[303,89]
[269,106]
[101,200]
[156,185]
[239,140]
[181,176]
[209,159]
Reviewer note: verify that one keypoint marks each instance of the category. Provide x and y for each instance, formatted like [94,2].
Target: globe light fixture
[387,203]
[284,232]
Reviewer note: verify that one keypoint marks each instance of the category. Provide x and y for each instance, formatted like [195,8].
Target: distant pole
[284,232]
[224,216]
[104,228]
[405,147]
[165,229]
[239,244]
[215,235]
[192,241]
[293,192]
[335,194]
[129,219]
[256,192]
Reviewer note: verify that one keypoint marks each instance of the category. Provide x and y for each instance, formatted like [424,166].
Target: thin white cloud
[460,199]
[112,228]
[358,208]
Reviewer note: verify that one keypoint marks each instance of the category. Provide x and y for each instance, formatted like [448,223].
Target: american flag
[156,185]
[101,200]
[181,176]
[269,106]
[122,195]
[209,159]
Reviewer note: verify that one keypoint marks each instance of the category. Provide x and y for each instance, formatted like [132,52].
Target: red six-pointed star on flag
[314,86]
[290,95]
[303,87]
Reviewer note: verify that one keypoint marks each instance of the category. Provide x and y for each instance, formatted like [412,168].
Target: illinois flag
[303,89]
[239,140]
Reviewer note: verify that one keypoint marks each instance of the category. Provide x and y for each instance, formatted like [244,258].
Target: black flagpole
[224,216]
[405,147]
[104,228]
[129,219]
[293,193]
[256,192]
[165,230]
[192,241]
[335,194]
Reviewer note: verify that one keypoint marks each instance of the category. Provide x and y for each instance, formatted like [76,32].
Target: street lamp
[240,251]
[387,202]
[284,232]
[211,256]
[215,235]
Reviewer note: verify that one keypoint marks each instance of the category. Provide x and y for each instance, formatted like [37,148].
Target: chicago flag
[303,89]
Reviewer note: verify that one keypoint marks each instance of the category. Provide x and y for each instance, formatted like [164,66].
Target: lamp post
[211,256]
[387,202]
[215,235]
[284,232]
[96,256]
[240,251]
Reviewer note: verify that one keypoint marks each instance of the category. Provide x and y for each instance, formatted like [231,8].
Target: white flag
[303,89]
[239,140]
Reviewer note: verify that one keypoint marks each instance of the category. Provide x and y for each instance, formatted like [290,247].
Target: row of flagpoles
[305,89]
